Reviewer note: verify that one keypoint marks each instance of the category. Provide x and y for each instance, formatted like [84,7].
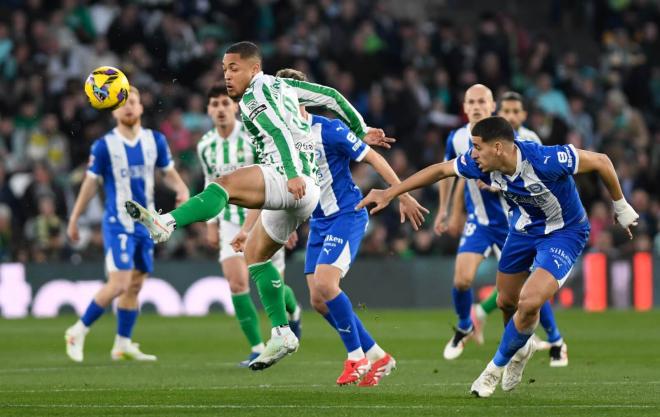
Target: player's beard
[129,121]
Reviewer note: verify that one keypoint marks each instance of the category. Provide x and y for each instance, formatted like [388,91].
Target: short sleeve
[98,158]
[347,141]
[558,161]
[450,151]
[466,167]
[164,157]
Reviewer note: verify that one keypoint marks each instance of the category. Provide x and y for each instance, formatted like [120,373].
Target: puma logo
[327,251]
[557,263]
[346,330]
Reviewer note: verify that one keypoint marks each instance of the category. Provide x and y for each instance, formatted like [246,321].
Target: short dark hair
[216,90]
[291,73]
[513,96]
[245,49]
[493,127]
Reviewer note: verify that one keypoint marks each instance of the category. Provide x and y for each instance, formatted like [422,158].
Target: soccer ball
[107,88]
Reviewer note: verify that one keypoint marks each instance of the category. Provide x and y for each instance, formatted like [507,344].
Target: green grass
[614,370]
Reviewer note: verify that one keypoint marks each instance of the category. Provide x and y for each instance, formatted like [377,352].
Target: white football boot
[74,337]
[485,385]
[158,229]
[514,370]
[125,349]
[282,342]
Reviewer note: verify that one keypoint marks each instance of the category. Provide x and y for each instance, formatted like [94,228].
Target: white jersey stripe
[477,200]
[149,153]
[551,207]
[121,175]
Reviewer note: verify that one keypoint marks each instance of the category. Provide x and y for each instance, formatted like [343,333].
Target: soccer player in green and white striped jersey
[283,184]
[221,151]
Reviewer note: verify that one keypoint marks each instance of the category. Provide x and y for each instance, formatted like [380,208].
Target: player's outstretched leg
[555,344]
[127,313]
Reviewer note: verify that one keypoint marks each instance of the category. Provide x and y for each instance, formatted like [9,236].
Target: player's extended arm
[625,215]
[408,206]
[174,182]
[87,191]
[427,176]
[238,243]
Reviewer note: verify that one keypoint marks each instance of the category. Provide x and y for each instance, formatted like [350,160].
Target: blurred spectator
[45,232]
[43,185]
[581,121]
[620,125]
[6,234]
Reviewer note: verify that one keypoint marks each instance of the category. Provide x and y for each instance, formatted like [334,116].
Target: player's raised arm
[408,207]
[588,161]
[311,94]
[427,176]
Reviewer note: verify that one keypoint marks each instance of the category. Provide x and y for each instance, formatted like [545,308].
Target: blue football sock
[331,321]
[462,304]
[342,311]
[366,340]
[548,322]
[125,322]
[93,312]
[512,340]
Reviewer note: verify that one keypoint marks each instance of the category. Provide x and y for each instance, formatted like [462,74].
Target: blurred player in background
[221,151]
[124,160]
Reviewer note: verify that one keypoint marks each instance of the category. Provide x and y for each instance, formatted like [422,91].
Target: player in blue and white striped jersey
[548,230]
[511,108]
[124,160]
[336,230]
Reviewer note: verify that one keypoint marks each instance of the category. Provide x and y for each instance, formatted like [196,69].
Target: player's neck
[129,132]
[225,130]
[510,162]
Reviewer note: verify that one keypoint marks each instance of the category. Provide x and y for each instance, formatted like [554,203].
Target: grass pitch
[614,370]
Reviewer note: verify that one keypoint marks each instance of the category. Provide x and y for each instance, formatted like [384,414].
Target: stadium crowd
[405,75]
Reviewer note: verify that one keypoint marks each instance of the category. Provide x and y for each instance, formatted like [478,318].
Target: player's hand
[625,215]
[377,197]
[293,240]
[212,236]
[238,243]
[455,224]
[410,209]
[181,197]
[440,223]
[72,230]
[376,137]
[296,187]
[485,187]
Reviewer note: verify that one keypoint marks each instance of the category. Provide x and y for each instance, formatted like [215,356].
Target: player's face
[222,110]
[486,154]
[478,104]
[513,112]
[130,113]
[238,73]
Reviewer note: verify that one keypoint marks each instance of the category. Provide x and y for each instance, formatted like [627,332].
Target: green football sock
[271,291]
[246,314]
[490,303]
[202,207]
[290,300]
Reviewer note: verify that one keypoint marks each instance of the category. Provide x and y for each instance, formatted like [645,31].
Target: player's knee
[462,282]
[529,305]
[326,290]
[135,287]
[227,182]
[318,304]
[238,286]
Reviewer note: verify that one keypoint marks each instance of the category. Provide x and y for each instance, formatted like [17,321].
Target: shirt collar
[519,163]
[257,75]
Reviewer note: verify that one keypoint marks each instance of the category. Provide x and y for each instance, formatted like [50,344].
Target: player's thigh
[558,252]
[137,281]
[235,270]
[342,238]
[120,279]
[279,261]
[465,268]
[260,246]
[245,186]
